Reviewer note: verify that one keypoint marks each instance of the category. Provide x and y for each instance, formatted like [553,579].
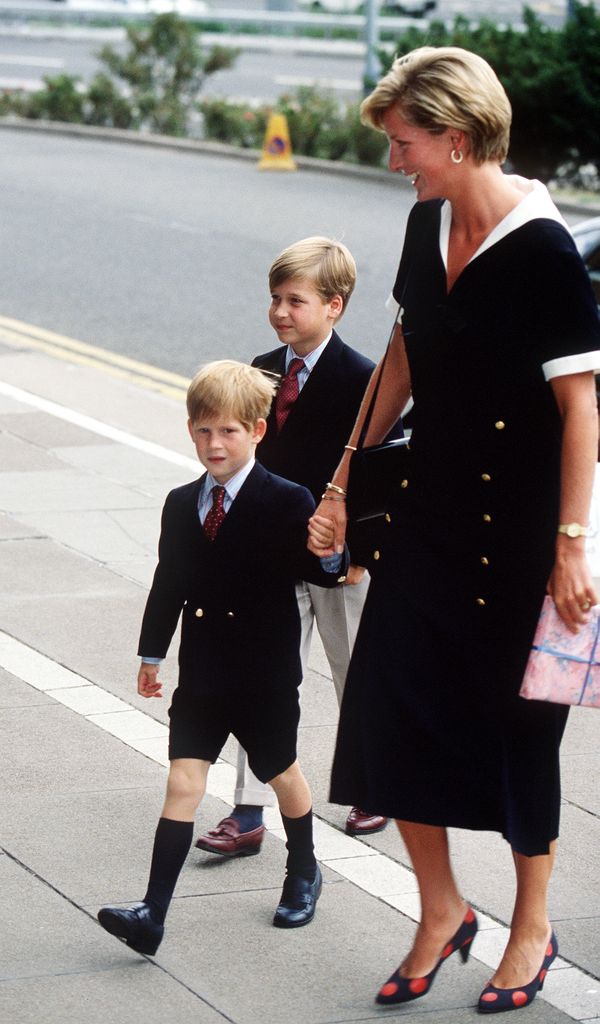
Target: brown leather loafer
[227,841]
[361,823]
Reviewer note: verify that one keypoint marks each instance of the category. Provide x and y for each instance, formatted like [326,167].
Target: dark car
[587,239]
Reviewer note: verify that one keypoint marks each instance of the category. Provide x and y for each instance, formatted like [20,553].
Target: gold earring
[456,156]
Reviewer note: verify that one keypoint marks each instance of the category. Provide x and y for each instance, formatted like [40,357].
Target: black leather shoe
[135,925]
[298,901]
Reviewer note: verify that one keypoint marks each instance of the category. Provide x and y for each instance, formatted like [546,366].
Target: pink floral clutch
[564,667]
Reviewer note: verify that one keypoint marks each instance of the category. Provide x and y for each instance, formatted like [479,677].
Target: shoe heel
[465,951]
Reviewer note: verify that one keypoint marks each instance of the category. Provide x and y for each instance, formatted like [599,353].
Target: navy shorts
[265,724]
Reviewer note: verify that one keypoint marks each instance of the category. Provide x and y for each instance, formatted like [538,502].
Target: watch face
[573,530]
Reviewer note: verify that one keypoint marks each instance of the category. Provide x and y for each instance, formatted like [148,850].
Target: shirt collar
[233,486]
[310,360]
[535,204]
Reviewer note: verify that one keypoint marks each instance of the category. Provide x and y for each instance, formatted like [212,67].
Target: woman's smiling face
[419,154]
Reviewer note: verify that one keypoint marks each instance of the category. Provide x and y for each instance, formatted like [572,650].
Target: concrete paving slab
[45,431]
[121,464]
[140,572]
[582,733]
[95,533]
[580,780]
[67,490]
[20,457]
[14,693]
[137,991]
[319,987]
[580,942]
[574,992]
[69,743]
[11,528]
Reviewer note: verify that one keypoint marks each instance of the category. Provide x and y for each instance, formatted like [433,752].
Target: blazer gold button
[500,425]
[487,518]
[404,483]
[486,477]
[199,613]
[388,517]
[484,560]
[376,555]
[341,579]
[480,601]
[230,615]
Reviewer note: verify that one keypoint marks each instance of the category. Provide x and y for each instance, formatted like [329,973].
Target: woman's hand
[570,584]
[332,512]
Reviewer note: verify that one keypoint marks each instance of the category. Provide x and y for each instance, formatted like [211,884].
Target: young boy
[232,545]
[310,284]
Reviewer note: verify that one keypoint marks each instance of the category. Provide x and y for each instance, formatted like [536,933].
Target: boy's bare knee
[288,777]
[187,780]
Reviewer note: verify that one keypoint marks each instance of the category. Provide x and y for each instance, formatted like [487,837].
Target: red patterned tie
[288,392]
[215,514]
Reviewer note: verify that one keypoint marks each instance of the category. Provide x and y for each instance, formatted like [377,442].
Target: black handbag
[375,473]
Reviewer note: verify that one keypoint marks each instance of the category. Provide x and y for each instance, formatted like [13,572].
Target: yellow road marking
[16,332]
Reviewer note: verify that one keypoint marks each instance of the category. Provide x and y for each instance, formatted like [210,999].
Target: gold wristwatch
[574,530]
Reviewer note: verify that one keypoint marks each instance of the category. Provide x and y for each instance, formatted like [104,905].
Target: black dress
[432,729]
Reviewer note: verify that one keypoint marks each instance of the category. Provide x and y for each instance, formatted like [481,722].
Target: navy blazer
[311,441]
[240,624]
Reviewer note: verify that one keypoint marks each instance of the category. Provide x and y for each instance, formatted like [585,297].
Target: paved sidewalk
[88,450]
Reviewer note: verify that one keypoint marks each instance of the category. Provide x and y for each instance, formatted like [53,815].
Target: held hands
[333,513]
[570,584]
[321,536]
[148,684]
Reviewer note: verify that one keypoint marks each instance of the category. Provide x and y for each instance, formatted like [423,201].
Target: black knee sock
[172,842]
[301,857]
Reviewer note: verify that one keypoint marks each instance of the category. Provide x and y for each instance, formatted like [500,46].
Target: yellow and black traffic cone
[277,149]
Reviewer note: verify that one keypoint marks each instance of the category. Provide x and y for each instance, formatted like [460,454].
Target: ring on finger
[585,607]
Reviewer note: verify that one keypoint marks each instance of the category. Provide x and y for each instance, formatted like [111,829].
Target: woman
[497,340]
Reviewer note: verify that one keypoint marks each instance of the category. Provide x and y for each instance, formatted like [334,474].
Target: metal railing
[267,22]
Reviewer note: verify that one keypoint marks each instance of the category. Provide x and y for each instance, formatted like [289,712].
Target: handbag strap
[371,409]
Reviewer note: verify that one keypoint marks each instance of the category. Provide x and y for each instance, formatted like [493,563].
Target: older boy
[322,385]
[231,547]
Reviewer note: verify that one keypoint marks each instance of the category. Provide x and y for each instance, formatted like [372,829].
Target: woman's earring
[456,156]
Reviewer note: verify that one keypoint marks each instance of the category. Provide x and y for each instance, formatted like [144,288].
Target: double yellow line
[17,333]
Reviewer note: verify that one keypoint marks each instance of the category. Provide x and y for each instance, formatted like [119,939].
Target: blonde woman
[497,341]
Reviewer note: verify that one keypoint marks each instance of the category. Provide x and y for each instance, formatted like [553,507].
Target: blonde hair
[327,263]
[446,87]
[228,388]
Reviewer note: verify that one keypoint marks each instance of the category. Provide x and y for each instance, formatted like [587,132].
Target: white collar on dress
[536,203]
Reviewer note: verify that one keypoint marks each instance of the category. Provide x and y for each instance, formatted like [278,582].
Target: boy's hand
[148,684]
[321,536]
[334,513]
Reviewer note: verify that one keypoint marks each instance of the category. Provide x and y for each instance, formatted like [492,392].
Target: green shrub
[61,100]
[106,105]
[163,72]
[235,123]
[552,77]
[316,123]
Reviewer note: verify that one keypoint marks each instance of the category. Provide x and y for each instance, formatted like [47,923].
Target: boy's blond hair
[228,388]
[327,263]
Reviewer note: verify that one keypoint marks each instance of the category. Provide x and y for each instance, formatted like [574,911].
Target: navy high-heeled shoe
[498,1000]
[399,989]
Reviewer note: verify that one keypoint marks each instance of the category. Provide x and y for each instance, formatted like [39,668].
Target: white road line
[567,988]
